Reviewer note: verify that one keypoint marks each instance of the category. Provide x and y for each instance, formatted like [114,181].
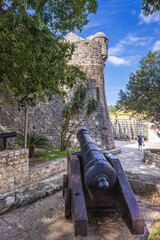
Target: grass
[155,235]
[43,156]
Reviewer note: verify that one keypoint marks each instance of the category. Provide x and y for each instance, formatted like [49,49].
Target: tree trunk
[64,134]
[31,152]
[63,145]
[26,127]
[67,140]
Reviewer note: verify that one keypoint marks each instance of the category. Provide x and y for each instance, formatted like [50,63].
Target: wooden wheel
[65,183]
[67,205]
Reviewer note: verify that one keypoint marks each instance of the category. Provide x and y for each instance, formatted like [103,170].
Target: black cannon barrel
[99,175]
[7,135]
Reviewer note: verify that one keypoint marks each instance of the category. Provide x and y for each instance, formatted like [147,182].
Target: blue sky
[131,36]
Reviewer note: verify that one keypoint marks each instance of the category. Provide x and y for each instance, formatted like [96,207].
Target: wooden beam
[127,204]
[2,143]
[78,206]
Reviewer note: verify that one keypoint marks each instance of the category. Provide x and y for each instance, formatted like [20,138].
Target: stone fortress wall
[14,169]
[90,55]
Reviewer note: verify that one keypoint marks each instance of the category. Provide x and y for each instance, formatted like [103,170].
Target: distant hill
[113,108]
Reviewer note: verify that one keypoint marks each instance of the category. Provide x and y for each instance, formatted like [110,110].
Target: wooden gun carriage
[3,139]
[96,180]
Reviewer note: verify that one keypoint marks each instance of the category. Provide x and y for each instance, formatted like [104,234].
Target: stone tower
[46,119]
[90,55]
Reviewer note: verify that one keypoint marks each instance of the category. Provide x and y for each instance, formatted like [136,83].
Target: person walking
[140,140]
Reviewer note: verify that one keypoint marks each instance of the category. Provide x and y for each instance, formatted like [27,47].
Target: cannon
[96,180]
[99,175]
[3,138]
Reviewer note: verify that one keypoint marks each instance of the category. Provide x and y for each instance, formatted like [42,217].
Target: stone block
[10,163]
[10,200]
[10,169]
[2,169]
[24,151]
[11,180]
[11,186]
[11,153]
[137,186]
[4,154]
[10,174]
[3,160]
[150,188]
[5,175]
[25,169]
[17,152]
[22,160]
[144,177]
[131,175]
[15,158]
[10,159]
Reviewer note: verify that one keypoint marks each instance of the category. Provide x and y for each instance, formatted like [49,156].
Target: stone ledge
[143,183]
[115,151]
[151,158]
[30,194]
[34,174]
[50,186]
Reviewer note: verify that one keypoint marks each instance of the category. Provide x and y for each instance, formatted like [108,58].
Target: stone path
[44,220]
[131,158]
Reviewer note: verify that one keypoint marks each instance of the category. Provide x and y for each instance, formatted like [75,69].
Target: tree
[150,6]
[114,108]
[143,90]
[32,53]
[34,141]
[73,108]
[31,50]
[61,15]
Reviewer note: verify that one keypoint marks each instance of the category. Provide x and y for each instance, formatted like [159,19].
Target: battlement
[97,42]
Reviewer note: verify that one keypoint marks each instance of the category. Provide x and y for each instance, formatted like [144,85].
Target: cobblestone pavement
[131,158]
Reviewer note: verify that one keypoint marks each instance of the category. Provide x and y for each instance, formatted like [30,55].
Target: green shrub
[155,235]
[34,141]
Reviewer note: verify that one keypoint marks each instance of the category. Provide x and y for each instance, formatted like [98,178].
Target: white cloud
[156,46]
[136,41]
[134,59]
[117,49]
[130,39]
[155,17]
[118,61]
[92,25]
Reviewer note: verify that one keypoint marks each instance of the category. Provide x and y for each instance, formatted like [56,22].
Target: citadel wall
[89,55]
[46,119]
